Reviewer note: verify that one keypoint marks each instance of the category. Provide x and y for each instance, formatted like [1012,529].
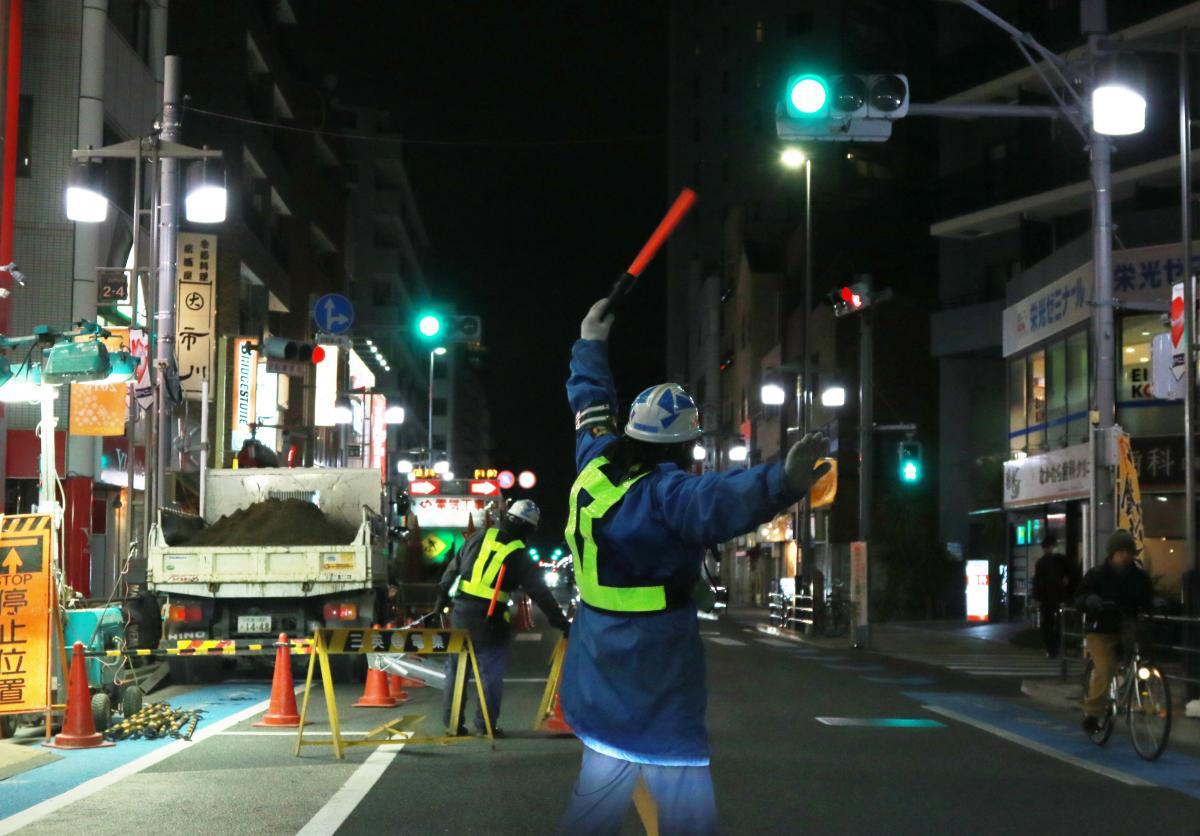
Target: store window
[1056,394]
[1036,401]
[1078,388]
[1138,410]
[1016,404]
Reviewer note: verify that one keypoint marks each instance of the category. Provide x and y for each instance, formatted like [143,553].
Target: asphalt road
[981,759]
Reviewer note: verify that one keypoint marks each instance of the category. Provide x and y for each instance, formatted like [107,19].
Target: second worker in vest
[634,680]
[471,581]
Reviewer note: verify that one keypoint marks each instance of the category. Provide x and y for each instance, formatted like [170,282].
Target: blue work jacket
[634,685]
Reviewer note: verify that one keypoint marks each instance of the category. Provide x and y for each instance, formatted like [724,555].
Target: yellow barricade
[420,642]
[553,681]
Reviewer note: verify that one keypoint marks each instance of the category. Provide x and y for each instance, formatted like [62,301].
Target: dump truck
[254,593]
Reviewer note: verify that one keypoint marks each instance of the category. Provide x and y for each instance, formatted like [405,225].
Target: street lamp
[393,415]
[442,467]
[833,396]
[206,198]
[1119,97]
[793,157]
[86,202]
[699,454]
[739,452]
[404,466]
[773,394]
[435,353]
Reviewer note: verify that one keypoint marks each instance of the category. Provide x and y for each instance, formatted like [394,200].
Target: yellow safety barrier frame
[420,642]
[553,681]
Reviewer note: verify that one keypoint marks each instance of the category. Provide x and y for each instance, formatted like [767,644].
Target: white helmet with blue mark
[527,511]
[664,414]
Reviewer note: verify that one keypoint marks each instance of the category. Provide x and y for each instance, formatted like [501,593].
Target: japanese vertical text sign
[1129,494]
[26,603]
[859,582]
[195,344]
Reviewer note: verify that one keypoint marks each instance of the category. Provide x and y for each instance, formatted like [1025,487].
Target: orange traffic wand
[282,709]
[624,285]
[496,591]
[79,730]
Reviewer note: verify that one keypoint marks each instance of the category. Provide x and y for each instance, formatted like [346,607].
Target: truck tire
[101,712]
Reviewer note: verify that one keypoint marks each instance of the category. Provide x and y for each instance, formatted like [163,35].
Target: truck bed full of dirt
[275,522]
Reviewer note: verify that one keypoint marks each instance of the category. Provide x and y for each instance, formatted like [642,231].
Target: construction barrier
[418,642]
[549,717]
[210,647]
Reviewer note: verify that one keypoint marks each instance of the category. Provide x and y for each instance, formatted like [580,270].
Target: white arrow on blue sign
[333,313]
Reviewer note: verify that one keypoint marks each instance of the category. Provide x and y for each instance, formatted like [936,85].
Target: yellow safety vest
[580,524]
[482,583]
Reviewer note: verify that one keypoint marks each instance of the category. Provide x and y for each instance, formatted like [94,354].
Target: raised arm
[590,388]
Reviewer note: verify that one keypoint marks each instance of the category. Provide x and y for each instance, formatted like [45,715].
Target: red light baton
[624,285]
[496,591]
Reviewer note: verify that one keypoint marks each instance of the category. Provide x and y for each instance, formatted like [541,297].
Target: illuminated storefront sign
[977,590]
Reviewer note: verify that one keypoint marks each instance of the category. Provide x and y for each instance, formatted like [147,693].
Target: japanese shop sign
[196,258]
[1128,493]
[1144,274]
[1048,477]
[245,385]
[25,607]
[448,511]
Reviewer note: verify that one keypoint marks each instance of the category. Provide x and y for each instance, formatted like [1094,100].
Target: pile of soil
[275,522]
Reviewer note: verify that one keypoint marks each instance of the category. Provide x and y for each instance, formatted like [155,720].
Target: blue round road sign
[333,313]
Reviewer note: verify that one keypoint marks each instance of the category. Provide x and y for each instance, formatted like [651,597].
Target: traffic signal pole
[866,455]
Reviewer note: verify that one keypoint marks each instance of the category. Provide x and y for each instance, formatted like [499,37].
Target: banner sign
[1048,477]
[195,341]
[26,603]
[245,385]
[1128,493]
[859,583]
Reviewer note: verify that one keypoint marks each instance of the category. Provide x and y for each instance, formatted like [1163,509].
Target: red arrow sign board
[485,487]
[424,487]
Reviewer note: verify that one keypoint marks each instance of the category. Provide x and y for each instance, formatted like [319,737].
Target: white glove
[593,327]
[801,463]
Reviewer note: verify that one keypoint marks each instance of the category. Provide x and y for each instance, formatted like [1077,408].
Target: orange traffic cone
[79,730]
[395,681]
[376,694]
[556,722]
[282,710]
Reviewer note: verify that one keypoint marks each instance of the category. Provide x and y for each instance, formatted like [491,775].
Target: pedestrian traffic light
[844,108]
[910,462]
[281,348]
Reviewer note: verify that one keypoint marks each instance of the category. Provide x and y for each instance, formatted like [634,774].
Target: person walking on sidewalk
[472,581]
[633,684]
[1054,580]
[1112,594]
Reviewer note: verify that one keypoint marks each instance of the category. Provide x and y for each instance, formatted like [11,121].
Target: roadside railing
[793,612]
[1166,642]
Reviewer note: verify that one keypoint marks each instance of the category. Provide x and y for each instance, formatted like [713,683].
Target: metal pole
[1189,311]
[203,439]
[135,281]
[866,451]
[429,426]
[804,407]
[1103,326]
[164,343]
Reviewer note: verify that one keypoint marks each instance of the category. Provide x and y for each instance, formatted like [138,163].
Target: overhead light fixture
[739,453]
[442,467]
[1119,97]
[206,198]
[394,415]
[86,202]
[834,396]
[440,350]
[343,412]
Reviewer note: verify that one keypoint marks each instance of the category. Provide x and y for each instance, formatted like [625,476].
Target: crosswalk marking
[725,641]
[1020,665]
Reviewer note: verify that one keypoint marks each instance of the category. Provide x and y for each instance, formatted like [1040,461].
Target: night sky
[562,109]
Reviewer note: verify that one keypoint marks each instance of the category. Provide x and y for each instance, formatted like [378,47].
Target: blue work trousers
[602,796]
[491,651]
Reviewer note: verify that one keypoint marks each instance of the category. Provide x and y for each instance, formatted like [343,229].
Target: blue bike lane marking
[34,786]
[1045,731]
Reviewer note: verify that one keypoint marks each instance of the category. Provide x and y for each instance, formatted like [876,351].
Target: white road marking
[777,643]
[529,637]
[291,733]
[348,796]
[88,788]
[725,641]
[1013,737]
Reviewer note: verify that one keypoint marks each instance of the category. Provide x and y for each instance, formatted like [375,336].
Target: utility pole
[866,454]
[164,325]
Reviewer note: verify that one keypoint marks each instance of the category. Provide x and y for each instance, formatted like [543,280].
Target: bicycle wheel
[1149,712]
[1101,735]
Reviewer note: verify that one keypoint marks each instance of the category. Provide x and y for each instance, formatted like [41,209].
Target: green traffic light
[807,96]
[910,472]
[429,325]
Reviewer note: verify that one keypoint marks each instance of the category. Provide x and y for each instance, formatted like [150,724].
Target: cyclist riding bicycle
[1112,595]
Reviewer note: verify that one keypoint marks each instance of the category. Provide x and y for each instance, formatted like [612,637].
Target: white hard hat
[525,510]
[664,414]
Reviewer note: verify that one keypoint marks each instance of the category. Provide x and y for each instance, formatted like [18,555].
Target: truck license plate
[254,623]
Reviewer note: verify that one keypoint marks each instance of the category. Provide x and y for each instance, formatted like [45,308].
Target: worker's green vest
[604,495]
[482,583]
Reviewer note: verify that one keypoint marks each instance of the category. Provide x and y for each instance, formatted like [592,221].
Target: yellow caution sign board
[422,642]
[26,607]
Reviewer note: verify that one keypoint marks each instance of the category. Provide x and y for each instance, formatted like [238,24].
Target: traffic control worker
[634,680]
[472,581]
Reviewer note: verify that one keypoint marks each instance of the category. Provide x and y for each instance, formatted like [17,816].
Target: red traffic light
[318,354]
[851,298]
